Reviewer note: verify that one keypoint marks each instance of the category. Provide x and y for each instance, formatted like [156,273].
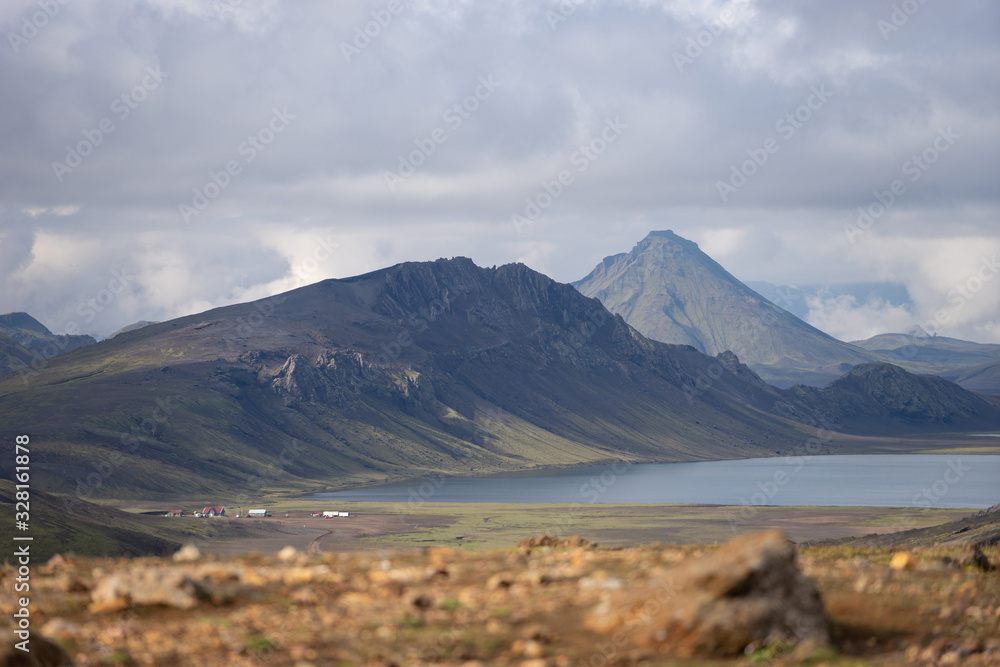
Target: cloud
[228,65]
[844,318]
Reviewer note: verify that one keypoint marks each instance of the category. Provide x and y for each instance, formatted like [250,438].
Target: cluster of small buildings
[221,511]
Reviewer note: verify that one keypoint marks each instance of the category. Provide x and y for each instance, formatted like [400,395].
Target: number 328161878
[21,474]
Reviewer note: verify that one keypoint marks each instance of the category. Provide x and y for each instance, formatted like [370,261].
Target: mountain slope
[416,368]
[975,366]
[883,398]
[985,378]
[13,356]
[671,291]
[132,327]
[40,343]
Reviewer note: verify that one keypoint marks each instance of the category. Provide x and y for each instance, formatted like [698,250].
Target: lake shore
[477,526]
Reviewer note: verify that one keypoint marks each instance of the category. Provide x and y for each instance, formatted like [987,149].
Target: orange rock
[748,591]
[903,560]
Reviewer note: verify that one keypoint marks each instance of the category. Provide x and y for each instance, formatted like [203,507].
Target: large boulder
[747,593]
[43,652]
[146,586]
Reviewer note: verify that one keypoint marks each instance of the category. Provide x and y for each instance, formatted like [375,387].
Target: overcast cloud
[194,153]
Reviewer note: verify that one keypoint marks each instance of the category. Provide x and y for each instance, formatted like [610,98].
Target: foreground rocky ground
[548,602]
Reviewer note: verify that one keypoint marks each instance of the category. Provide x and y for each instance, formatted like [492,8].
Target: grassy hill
[61,524]
[13,356]
[419,368]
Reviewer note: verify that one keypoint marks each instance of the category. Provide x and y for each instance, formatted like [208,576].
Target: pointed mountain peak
[671,291]
[23,321]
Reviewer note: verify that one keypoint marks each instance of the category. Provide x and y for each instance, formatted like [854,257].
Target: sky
[163,157]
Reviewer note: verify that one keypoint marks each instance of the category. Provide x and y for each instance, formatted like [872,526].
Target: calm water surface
[914,480]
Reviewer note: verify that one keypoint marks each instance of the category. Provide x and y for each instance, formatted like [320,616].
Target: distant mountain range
[428,367]
[796,299]
[671,291]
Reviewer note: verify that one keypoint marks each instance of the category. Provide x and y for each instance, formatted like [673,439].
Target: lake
[904,480]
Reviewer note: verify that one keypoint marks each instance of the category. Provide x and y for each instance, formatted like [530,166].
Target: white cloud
[228,70]
[844,318]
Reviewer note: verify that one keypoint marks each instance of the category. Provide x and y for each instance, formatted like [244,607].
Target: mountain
[418,368]
[40,343]
[12,355]
[671,291]
[798,299]
[882,398]
[984,378]
[975,366]
[66,525]
[132,327]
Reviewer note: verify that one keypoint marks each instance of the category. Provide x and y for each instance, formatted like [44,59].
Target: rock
[43,651]
[288,554]
[972,556]
[188,553]
[60,628]
[499,580]
[903,561]
[575,541]
[748,591]
[150,586]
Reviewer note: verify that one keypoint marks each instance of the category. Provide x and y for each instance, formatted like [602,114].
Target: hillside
[975,366]
[132,327]
[671,291]
[421,367]
[416,368]
[62,524]
[13,356]
[32,336]
[985,378]
[981,528]
[883,398]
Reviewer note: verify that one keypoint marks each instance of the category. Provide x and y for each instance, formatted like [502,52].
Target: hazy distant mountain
[12,354]
[40,343]
[975,366]
[416,368]
[796,298]
[878,398]
[132,327]
[671,291]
